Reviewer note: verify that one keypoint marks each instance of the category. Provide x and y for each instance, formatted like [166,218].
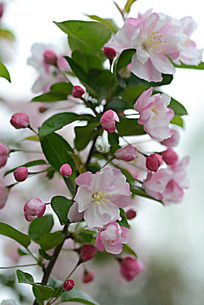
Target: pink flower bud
[3,195]
[62,63]
[19,120]
[50,57]
[131,214]
[169,156]
[126,153]
[110,53]
[4,152]
[88,276]
[87,252]
[153,162]
[77,91]
[21,173]
[130,267]
[65,170]
[108,120]
[34,207]
[1,9]
[68,285]
[173,139]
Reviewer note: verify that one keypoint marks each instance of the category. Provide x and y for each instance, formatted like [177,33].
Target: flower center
[101,197]
[154,110]
[154,43]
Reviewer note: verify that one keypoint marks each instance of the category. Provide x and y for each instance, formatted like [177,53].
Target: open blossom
[154,114]
[4,152]
[168,184]
[126,153]
[130,267]
[111,238]
[108,120]
[156,38]
[173,139]
[3,195]
[43,55]
[34,207]
[99,197]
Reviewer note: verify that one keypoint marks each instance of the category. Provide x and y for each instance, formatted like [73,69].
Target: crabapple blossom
[3,195]
[130,214]
[108,120]
[65,170]
[50,57]
[127,153]
[168,184]
[88,276]
[111,238]
[4,153]
[21,173]
[20,120]
[87,252]
[130,267]
[77,91]
[173,139]
[68,285]
[153,162]
[169,156]
[154,114]
[110,53]
[34,207]
[101,195]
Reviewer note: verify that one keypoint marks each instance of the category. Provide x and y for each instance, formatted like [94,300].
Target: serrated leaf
[51,240]
[61,206]
[40,226]
[27,164]
[24,277]
[127,249]
[60,120]
[4,72]
[42,292]
[58,92]
[128,5]
[106,21]
[9,231]
[76,295]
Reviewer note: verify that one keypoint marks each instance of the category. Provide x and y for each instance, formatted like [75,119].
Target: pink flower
[68,285]
[21,173]
[50,57]
[87,252]
[34,207]
[77,91]
[172,140]
[168,184]
[169,156]
[154,114]
[156,38]
[65,170]
[130,267]
[99,196]
[4,153]
[127,153]
[62,63]
[3,195]
[88,276]
[20,120]
[108,120]
[111,238]
[153,162]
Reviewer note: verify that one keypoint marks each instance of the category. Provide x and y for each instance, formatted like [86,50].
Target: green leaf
[60,120]
[139,191]
[56,150]
[4,72]
[58,92]
[51,240]
[76,295]
[177,107]
[42,292]
[177,120]
[131,94]
[24,277]
[129,127]
[6,34]
[61,206]
[123,222]
[128,5]
[127,249]
[106,21]
[200,66]
[123,60]
[113,140]
[22,252]
[86,61]
[40,226]
[84,134]
[28,164]
[117,104]
[45,255]
[9,231]
[86,36]
[33,138]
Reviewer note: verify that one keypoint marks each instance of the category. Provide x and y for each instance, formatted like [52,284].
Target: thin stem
[108,161]
[33,256]
[92,149]
[26,151]
[33,130]
[18,266]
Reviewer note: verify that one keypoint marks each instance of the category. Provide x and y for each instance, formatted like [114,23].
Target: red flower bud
[87,252]
[110,53]
[88,276]
[131,214]
[19,120]
[169,156]
[4,152]
[77,91]
[21,173]
[65,170]
[1,9]
[50,58]
[68,285]
[153,162]
[130,267]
